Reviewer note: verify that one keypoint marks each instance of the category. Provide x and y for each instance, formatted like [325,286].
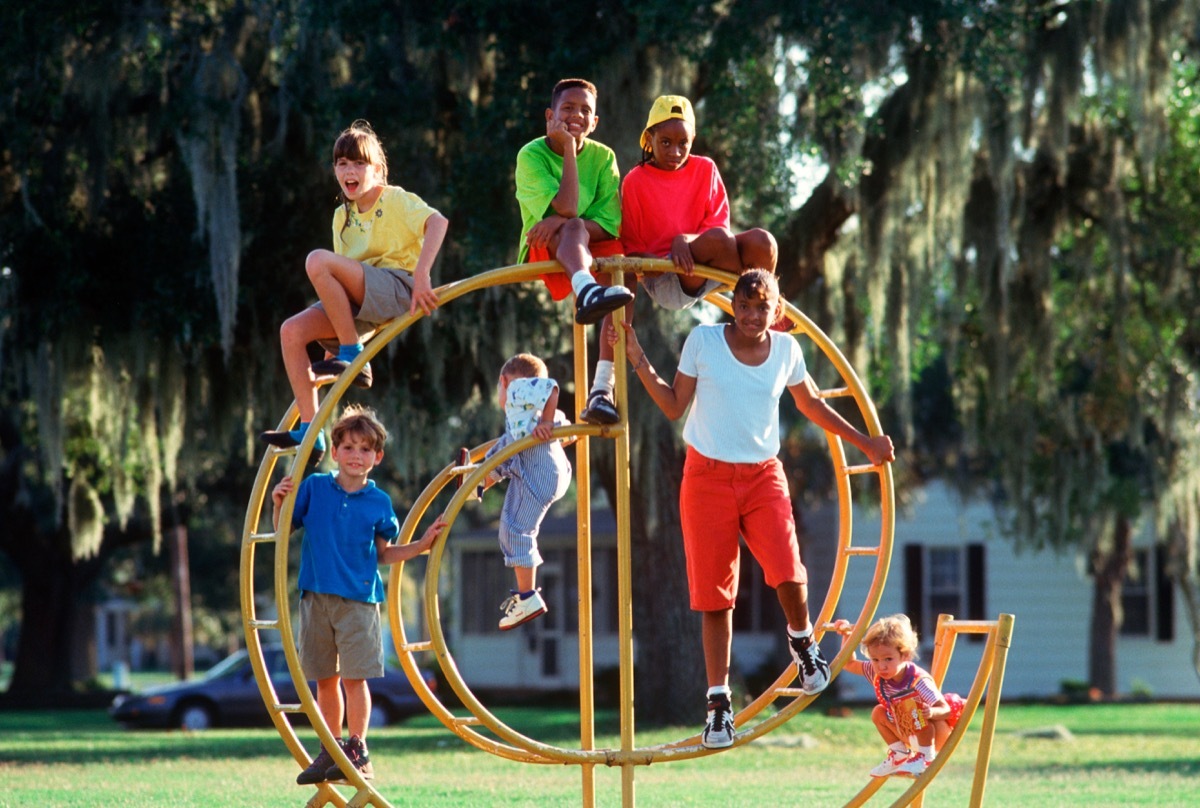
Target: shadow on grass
[88,737]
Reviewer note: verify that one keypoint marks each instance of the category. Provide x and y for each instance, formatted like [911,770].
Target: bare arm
[854,665]
[672,399]
[546,420]
[277,496]
[391,553]
[566,202]
[423,294]
[877,448]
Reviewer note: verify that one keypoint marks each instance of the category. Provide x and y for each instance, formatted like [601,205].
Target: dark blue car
[228,695]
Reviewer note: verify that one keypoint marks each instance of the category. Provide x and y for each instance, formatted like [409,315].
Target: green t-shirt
[539,172]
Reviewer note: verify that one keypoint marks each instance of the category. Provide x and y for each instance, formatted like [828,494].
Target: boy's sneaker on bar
[719,730]
[597,301]
[356,750]
[811,666]
[315,773]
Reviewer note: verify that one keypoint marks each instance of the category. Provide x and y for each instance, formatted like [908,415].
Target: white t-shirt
[735,412]
[524,403]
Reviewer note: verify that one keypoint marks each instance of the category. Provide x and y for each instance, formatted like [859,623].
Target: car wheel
[380,716]
[196,717]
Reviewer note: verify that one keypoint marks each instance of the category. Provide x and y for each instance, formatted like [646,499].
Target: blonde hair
[361,422]
[895,630]
[524,366]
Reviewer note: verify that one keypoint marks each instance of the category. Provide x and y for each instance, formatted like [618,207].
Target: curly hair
[895,630]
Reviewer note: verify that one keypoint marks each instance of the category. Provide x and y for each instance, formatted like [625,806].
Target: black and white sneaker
[811,666]
[718,731]
[597,301]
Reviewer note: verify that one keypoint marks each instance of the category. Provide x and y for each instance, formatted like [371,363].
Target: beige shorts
[340,637]
[387,295]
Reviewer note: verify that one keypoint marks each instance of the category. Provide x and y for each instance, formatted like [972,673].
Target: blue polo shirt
[338,555]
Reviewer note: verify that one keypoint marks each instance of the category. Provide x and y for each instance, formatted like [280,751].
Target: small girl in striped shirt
[911,707]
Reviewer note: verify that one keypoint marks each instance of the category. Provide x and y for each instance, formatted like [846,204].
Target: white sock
[899,747]
[927,751]
[720,690]
[799,635]
[604,376]
[581,280]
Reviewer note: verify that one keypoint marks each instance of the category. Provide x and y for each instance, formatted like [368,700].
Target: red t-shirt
[658,205]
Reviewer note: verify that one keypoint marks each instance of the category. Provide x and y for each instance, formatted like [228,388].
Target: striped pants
[537,478]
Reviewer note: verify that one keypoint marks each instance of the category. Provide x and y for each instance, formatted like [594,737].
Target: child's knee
[316,262]
[758,249]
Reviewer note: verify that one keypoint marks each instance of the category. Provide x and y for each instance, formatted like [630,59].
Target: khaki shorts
[666,291]
[387,295]
[340,637]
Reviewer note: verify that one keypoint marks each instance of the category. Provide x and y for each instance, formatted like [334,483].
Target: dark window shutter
[977,585]
[1164,595]
[976,582]
[914,586]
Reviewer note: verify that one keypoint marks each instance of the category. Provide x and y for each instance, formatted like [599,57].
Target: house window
[486,583]
[944,580]
[1148,597]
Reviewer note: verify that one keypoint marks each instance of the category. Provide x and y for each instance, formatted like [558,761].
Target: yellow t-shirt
[389,235]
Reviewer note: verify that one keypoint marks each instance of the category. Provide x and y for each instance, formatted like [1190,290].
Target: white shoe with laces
[892,763]
[518,610]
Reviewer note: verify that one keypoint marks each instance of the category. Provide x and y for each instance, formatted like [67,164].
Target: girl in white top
[732,376]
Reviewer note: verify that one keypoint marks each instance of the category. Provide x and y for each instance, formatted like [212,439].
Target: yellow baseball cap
[665,108]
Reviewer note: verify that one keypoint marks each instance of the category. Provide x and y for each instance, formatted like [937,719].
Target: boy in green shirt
[568,189]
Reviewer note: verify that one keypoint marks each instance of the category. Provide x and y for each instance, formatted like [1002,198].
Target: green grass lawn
[1136,754]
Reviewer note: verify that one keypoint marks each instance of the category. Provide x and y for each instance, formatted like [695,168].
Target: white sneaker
[891,764]
[518,610]
[915,766]
[811,666]
[718,731]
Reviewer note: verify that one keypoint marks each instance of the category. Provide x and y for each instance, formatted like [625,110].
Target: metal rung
[865,468]
[789,692]
[288,708]
[267,625]
[861,551]
[464,469]
[417,647]
[834,392]
[259,537]
[468,722]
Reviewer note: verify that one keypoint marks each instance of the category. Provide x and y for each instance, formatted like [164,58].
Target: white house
[948,557]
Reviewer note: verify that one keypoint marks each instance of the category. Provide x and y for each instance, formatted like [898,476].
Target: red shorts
[559,283]
[719,501]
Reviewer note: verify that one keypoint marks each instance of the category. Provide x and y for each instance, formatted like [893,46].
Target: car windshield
[227,665]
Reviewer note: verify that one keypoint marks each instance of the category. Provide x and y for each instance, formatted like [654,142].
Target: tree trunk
[1109,568]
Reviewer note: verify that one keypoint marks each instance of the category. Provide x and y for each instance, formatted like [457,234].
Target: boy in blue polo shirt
[347,523]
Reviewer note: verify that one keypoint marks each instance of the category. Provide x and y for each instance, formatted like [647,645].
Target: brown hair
[358,141]
[361,422]
[757,284]
[896,631]
[570,84]
[524,366]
